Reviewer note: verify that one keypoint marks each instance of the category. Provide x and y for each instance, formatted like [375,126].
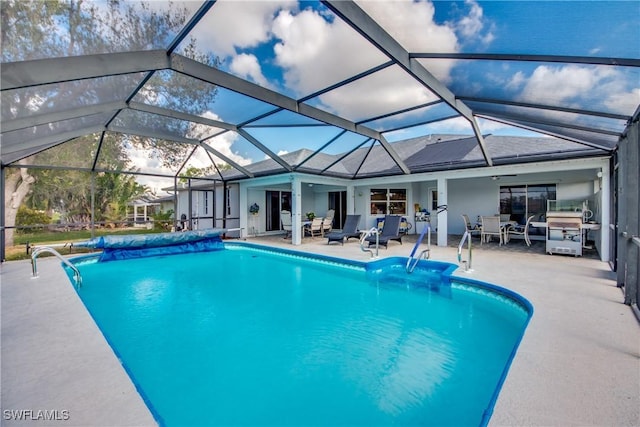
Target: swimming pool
[256,336]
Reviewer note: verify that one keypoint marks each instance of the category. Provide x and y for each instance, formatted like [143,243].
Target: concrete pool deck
[578,363]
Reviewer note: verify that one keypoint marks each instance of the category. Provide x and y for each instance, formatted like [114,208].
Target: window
[388,201]
[434,200]
[522,201]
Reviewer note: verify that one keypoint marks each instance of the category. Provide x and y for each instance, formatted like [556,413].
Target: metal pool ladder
[373,230]
[426,253]
[465,263]
[41,249]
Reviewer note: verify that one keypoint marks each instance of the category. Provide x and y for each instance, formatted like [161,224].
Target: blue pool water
[247,336]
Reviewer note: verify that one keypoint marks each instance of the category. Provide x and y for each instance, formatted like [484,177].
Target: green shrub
[163,220]
[31,217]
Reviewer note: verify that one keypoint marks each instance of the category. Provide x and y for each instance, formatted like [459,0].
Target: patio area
[578,363]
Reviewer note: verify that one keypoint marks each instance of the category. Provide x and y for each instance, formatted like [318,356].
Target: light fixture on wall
[310,184]
[599,174]
[497,177]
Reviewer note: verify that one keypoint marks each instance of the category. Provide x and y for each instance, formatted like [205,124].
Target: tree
[36,29]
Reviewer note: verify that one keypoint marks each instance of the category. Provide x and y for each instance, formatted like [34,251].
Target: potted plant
[254,209]
[310,216]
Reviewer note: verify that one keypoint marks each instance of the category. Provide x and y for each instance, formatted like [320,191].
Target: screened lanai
[228,90]
[225,84]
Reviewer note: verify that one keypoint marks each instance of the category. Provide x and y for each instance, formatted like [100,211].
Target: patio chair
[349,230]
[390,231]
[331,213]
[519,230]
[490,227]
[472,230]
[315,228]
[327,224]
[287,226]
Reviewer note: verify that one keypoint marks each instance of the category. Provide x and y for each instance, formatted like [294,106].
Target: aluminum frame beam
[592,60]
[516,118]
[23,74]
[545,107]
[58,116]
[152,109]
[33,146]
[545,132]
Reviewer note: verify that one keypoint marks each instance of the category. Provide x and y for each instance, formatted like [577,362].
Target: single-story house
[530,176]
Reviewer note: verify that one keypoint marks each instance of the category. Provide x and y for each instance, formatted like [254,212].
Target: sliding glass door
[276,201]
[522,201]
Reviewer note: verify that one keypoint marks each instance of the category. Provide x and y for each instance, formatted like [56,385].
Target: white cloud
[247,66]
[471,24]
[412,25]
[472,27]
[553,85]
[595,87]
[455,125]
[238,24]
[517,81]
[222,143]
[380,93]
[623,102]
[311,51]
[496,128]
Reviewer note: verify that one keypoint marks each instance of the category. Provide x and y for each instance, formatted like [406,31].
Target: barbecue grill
[564,233]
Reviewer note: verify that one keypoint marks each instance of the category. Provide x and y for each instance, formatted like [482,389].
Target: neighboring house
[166,203]
[140,211]
[545,169]
[205,204]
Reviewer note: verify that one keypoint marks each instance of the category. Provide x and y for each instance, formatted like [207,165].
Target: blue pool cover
[144,245]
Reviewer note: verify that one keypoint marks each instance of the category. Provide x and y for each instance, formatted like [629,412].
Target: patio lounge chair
[349,230]
[390,231]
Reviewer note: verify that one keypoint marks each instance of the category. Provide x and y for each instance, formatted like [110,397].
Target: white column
[351,199]
[296,210]
[605,207]
[244,210]
[443,225]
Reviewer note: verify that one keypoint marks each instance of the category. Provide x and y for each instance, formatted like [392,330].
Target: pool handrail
[425,253]
[466,263]
[373,230]
[40,249]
